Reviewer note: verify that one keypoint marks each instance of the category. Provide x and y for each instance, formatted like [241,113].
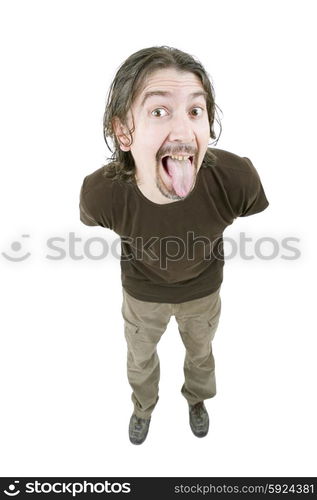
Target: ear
[121,134]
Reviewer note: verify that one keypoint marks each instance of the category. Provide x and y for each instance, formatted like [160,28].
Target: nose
[181,129]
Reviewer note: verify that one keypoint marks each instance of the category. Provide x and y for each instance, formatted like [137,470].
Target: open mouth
[164,163]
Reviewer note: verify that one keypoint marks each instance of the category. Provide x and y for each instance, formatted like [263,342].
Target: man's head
[160,104]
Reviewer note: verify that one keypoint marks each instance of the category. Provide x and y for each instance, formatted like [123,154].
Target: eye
[156,110]
[199,111]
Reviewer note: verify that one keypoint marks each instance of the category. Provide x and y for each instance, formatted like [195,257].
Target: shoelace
[137,428]
[198,409]
[198,413]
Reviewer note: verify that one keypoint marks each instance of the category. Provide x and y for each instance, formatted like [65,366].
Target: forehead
[175,82]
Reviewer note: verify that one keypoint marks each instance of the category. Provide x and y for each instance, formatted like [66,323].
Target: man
[169,197]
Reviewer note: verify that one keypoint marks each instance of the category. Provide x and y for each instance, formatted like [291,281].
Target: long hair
[126,86]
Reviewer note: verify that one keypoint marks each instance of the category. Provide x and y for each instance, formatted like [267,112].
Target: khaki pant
[145,323]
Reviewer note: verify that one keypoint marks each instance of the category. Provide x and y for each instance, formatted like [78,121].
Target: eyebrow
[165,93]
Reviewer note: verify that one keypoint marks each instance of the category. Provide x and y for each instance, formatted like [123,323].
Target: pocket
[130,328]
[130,333]
[213,325]
[214,319]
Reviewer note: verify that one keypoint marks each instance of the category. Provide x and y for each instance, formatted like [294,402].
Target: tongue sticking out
[182,173]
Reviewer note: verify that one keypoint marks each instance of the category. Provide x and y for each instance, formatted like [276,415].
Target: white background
[64,392]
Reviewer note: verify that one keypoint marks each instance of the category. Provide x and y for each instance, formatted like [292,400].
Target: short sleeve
[252,199]
[95,202]
[85,217]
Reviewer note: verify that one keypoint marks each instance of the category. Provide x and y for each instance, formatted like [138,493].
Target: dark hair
[125,88]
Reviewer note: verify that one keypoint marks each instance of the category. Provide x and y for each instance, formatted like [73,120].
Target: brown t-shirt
[174,252]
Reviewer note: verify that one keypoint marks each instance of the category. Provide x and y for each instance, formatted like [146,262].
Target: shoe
[199,419]
[138,429]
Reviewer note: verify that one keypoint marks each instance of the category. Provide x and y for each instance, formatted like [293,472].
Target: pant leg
[144,324]
[197,323]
